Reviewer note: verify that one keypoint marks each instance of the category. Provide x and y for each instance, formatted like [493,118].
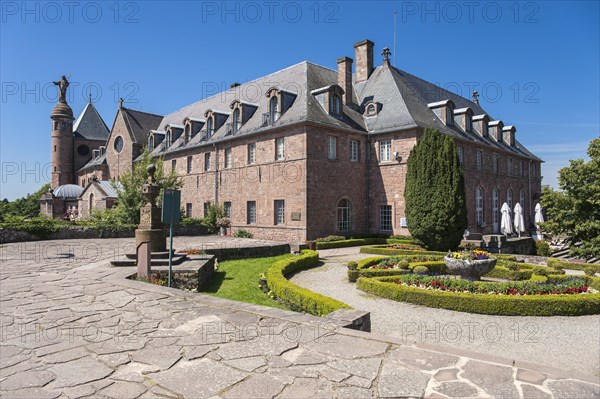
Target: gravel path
[570,343]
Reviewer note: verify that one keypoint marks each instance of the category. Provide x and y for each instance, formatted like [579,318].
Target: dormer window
[463,118]
[192,127]
[495,130]
[444,110]
[242,112]
[209,128]
[187,133]
[173,133]
[508,134]
[480,125]
[468,123]
[236,120]
[336,104]
[273,110]
[279,102]
[150,143]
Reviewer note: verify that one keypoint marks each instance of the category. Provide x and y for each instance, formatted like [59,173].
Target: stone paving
[72,327]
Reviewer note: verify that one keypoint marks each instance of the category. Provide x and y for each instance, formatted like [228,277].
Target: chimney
[363,53]
[345,78]
[234,85]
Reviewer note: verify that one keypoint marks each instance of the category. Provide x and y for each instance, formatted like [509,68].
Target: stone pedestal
[151,229]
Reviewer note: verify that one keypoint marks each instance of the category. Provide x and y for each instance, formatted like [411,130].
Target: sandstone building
[308,151]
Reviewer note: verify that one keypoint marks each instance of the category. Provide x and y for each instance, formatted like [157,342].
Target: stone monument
[151,228]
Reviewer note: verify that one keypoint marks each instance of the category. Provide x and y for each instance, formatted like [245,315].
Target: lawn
[238,280]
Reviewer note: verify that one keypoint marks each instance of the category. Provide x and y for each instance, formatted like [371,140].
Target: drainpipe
[216,173]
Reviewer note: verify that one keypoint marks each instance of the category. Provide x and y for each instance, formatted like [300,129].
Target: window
[354,150]
[509,199]
[461,155]
[468,123]
[495,163]
[228,158]
[251,212]
[449,116]
[118,144]
[209,127]
[522,168]
[495,209]
[509,166]
[150,143]
[385,150]
[371,109]
[174,165]
[273,110]
[168,139]
[251,153]
[188,210]
[279,212]
[331,147]
[280,149]
[479,160]
[206,206]
[83,150]
[188,133]
[206,161]
[479,206]
[336,104]
[189,164]
[236,120]
[227,206]
[385,218]
[522,199]
[344,215]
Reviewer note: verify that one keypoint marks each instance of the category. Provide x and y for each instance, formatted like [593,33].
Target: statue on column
[62,84]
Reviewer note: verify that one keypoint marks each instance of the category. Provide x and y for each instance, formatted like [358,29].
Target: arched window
[236,120]
[273,110]
[151,142]
[522,199]
[479,206]
[209,127]
[344,215]
[371,109]
[509,199]
[336,104]
[495,210]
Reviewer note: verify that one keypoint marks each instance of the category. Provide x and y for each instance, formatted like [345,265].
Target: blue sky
[535,64]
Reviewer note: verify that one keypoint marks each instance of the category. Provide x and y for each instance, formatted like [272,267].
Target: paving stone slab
[258,386]
[307,388]
[422,359]
[396,381]
[457,389]
[248,364]
[65,356]
[161,357]
[446,375]
[573,389]
[26,379]
[531,392]
[302,356]
[78,372]
[196,352]
[497,381]
[33,393]
[365,368]
[198,378]
[117,345]
[531,377]
[339,345]
[353,393]
[267,345]
[123,390]
[115,359]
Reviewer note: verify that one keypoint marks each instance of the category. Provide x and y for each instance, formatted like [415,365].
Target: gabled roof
[101,160]
[140,123]
[90,125]
[107,188]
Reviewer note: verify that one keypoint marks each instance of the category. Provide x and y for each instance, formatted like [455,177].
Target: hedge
[381,250]
[562,264]
[505,273]
[363,269]
[353,242]
[298,298]
[505,305]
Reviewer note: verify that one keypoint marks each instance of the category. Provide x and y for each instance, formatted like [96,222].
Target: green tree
[436,210]
[574,211]
[28,206]
[131,198]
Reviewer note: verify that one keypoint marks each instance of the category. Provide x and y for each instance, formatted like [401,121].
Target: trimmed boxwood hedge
[353,242]
[503,272]
[561,264]
[382,250]
[363,269]
[506,305]
[298,298]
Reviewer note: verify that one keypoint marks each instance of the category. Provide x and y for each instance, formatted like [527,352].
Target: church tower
[62,138]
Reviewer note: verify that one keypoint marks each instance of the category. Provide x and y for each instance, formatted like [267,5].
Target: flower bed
[561,264]
[566,304]
[186,281]
[380,266]
[388,250]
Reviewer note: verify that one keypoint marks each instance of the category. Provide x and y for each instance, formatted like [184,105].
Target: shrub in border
[296,297]
[506,305]
[380,250]
[561,264]
[503,272]
[354,242]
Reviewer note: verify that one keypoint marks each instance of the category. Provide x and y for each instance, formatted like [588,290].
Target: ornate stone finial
[476,97]
[151,169]
[121,102]
[62,84]
[386,54]
[151,189]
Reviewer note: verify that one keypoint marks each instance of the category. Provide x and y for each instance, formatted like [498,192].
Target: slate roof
[140,123]
[68,191]
[101,160]
[90,125]
[107,187]
[404,100]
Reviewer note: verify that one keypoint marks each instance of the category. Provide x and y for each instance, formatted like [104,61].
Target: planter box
[472,269]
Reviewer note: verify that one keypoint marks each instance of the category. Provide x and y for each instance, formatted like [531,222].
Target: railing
[270,118]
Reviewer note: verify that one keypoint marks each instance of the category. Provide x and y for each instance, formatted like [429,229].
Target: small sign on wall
[403,222]
[296,216]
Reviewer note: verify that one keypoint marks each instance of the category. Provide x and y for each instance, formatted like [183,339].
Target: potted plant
[470,263]
[223,223]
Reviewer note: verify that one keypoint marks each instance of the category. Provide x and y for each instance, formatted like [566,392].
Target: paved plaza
[73,327]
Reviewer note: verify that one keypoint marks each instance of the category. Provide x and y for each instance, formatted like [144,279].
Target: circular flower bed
[470,263]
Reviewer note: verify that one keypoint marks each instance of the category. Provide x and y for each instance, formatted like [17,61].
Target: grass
[238,280]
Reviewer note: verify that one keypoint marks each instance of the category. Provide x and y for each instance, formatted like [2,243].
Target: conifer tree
[436,209]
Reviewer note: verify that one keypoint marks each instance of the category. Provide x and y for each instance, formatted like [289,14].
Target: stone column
[151,228]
